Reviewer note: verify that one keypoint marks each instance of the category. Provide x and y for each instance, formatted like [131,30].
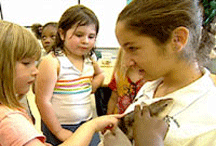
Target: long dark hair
[158,18]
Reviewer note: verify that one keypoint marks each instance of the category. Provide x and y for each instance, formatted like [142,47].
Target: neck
[178,78]
[73,56]
[76,60]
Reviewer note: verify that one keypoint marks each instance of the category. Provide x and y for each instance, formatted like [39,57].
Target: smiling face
[79,41]
[25,74]
[152,60]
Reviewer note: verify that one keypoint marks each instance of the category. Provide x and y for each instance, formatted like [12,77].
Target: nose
[129,61]
[85,40]
[34,71]
[47,41]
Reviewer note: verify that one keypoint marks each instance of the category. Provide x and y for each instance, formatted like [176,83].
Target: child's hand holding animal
[146,129]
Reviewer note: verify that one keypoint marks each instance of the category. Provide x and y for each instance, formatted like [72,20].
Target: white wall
[28,12]
[107,12]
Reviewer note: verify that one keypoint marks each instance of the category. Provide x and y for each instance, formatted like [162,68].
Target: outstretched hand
[106,122]
[148,130]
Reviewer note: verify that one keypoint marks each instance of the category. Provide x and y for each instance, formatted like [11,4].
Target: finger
[118,116]
[146,112]
[103,132]
[113,130]
[137,112]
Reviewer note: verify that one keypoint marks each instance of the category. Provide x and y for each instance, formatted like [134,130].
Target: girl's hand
[63,134]
[105,122]
[147,129]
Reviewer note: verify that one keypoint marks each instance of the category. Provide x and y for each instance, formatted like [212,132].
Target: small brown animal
[159,109]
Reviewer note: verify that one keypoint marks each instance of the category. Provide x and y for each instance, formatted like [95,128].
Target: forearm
[98,78]
[82,136]
[84,133]
[148,140]
[112,102]
[111,106]
[48,116]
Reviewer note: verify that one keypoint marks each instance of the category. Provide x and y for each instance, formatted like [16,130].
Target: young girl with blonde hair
[19,51]
[125,84]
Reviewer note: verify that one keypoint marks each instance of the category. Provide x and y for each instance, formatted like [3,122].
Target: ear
[180,38]
[61,33]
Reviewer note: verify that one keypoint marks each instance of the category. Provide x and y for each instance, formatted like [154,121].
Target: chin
[23,92]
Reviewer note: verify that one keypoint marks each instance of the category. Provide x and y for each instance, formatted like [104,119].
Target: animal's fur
[159,109]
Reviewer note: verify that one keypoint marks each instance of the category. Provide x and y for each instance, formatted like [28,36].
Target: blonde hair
[120,73]
[16,43]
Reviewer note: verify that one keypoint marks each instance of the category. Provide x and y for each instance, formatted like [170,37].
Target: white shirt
[71,97]
[194,110]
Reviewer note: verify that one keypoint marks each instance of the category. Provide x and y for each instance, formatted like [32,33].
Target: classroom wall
[28,12]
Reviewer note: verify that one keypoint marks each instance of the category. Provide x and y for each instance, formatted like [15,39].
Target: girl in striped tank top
[68,75]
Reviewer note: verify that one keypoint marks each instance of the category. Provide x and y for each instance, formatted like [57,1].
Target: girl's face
[144,54]
[48,37]
[25,74]
[79,41]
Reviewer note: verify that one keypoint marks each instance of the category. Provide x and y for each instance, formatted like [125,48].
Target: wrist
[91,126]
[149,140]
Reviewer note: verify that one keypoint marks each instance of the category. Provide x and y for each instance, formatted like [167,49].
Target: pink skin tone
[143,54]
[79,41]
[26,72]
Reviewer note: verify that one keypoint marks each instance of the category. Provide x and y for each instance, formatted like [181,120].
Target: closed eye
[26,63]
[132,49]
[79,35]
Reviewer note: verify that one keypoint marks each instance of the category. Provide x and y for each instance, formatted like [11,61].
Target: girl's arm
[98,78]
[84,133]
[112,103]
[44,86]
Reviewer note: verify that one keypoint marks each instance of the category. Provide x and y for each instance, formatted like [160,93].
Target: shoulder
[49,57]
[16,129]
[48,61]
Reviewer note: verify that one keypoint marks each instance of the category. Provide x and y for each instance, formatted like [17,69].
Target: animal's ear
[161,108]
